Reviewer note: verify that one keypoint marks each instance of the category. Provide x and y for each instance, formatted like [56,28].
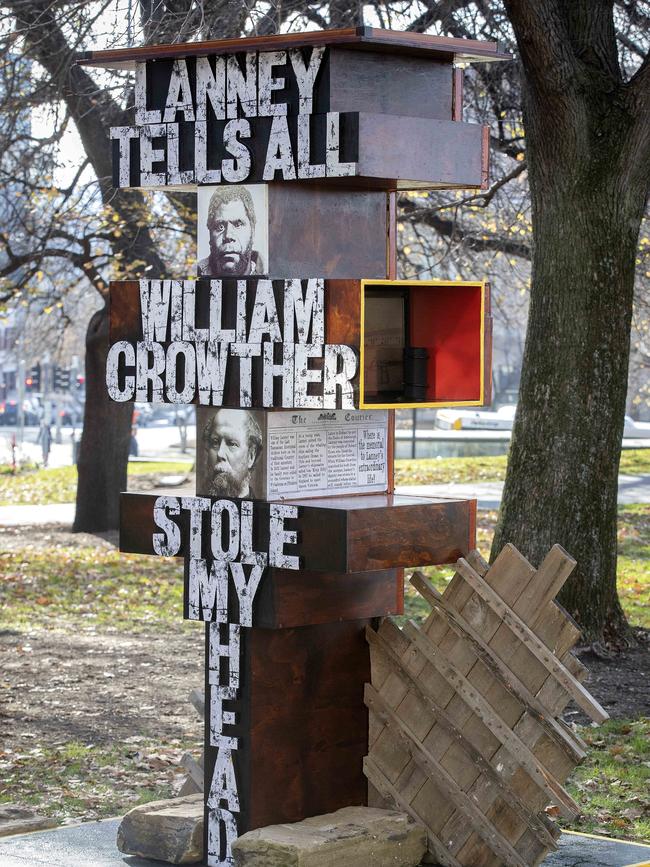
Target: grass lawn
[58,485]
[95,585]
[76,585]
[439,471]
[38,487]
[633,564]
[612,786]
[93,588]
[57,586]
[79,781]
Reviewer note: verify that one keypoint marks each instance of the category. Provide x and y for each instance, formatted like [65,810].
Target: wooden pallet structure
[465,728]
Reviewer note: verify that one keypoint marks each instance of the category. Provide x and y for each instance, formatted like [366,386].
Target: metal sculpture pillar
[297,344]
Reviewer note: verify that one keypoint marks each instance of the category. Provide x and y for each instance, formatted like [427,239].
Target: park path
[631,489]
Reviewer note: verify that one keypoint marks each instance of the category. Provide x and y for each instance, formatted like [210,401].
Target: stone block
[170,830]
[353,836]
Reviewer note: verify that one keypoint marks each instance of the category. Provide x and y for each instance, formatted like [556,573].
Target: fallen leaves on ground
[76,781]
[38,487]
[612,786]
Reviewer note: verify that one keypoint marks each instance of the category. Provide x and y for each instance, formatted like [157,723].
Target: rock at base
[170,830]
[15,819]
[353,836]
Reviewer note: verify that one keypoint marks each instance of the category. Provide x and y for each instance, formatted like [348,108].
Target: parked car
[162,413]
[9,413]
[636,429]
[475,419]
[142,414]
[71,416]
[503,419]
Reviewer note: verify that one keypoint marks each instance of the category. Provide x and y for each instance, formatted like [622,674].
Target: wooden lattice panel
[465,733]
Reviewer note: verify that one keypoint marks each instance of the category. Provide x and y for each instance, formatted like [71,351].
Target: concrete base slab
[584,850]
[93,845]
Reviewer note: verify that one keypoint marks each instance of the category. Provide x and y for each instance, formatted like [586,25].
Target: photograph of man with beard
[232,445]
[235,219]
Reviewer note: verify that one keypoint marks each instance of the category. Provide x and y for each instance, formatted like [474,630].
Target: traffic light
[61,378]
[33,379]
[81,382]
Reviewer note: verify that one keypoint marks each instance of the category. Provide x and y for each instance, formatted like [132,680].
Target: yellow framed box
[450,319]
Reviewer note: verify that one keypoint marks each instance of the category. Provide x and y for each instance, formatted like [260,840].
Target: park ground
[97,663]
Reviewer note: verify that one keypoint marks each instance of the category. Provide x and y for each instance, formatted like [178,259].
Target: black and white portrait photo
[232,230]
[230,446]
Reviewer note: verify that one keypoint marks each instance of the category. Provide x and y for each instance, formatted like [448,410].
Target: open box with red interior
[424,343]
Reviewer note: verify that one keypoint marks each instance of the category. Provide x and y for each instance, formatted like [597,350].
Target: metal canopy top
[440,48]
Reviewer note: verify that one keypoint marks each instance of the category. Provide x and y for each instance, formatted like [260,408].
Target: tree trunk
[104,447]
[587,205]
[563,468]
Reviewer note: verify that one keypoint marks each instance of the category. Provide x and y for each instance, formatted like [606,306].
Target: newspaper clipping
[325,453]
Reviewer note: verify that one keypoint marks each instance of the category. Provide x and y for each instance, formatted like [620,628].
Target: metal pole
[46,385]
[413,432]
[57,429]
[20,421]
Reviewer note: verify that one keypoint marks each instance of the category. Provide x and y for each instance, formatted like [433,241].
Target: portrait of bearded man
[231,221]
[232,442]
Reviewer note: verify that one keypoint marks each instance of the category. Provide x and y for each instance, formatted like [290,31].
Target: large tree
[42,34]
[585,150]
[588,152]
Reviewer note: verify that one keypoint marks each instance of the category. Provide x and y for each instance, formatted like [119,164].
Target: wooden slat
[377,641]
[511,565]
[193,768]
[580,695]
[434,626]
[519,783]
[551,576]
[389,793]
[498,844]
[584,747]
[410,780]
[486,682]
[552,694]
[517,568]
[511,573]
[494,777]
[492,720]
[477,562]
[554,627]
[499,669]
[392,686]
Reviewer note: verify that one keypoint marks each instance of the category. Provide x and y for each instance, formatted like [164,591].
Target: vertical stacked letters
[223,572]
